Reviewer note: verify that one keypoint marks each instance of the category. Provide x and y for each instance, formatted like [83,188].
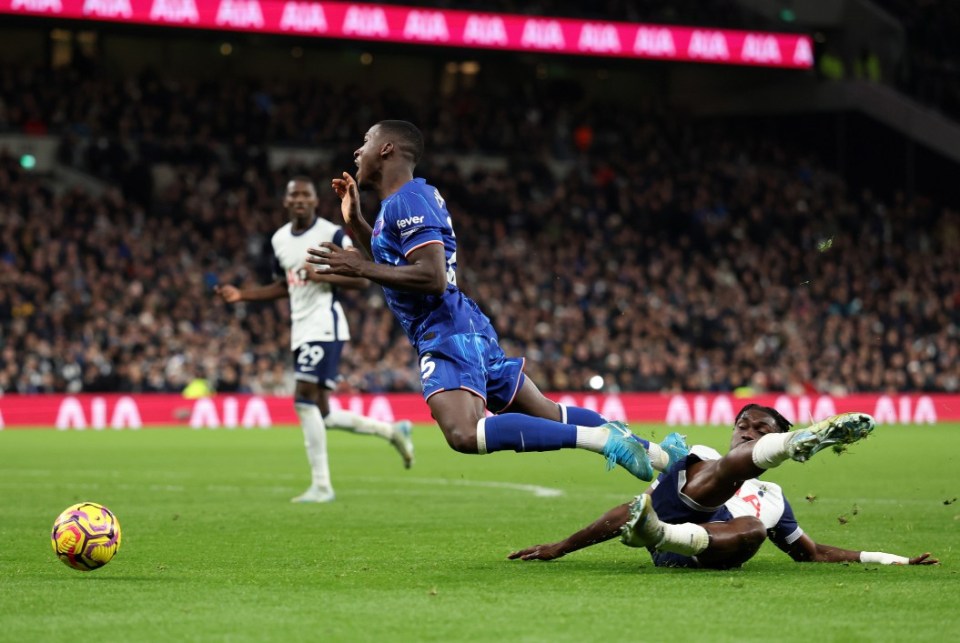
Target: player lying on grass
[411,251]
[712,511]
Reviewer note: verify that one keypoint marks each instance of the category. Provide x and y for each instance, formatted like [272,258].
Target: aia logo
[542,34]
[175,11]
[296,277]
[753,500]
[363,21]
[485,30]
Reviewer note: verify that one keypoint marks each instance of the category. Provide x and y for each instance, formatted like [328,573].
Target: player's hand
[346,189]
[924,559]
[230,294]
[316,275]
[331,258]
[538,552]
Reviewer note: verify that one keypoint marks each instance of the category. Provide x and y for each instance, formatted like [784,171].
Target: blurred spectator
[665,255]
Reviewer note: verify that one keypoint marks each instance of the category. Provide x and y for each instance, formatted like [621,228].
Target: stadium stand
[930,66]
[658,252]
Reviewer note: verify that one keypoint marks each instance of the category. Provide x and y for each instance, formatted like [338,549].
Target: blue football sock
[584,417]
[522,433]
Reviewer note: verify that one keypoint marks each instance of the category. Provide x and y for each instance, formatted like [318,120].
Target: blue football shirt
[415,216]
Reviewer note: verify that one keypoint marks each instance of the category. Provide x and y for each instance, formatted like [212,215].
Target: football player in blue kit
[712,511]
[411,250]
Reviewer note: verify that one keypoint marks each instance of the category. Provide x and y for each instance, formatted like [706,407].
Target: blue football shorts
[318,362]
[474,363]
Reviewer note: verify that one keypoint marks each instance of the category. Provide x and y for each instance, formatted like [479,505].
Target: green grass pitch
[214,551]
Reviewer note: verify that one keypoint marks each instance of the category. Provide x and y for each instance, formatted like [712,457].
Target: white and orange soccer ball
[86,536]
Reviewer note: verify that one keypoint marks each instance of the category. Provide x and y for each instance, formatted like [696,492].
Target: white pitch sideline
[536,490]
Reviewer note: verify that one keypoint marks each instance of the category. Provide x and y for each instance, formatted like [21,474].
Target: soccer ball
[86,536]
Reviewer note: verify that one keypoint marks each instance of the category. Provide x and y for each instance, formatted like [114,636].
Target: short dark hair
[782,423]
[302,178]
[409,139]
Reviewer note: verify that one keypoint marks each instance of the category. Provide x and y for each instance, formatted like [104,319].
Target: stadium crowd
[659,253]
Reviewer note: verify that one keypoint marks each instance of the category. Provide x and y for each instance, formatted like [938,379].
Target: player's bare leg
[732,543]
[457,413]
[530,401]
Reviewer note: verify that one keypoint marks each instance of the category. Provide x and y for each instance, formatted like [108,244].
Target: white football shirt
[763,500]
[315,312]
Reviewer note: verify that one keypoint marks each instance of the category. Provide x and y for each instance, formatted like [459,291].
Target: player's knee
[305,391]
[740,541]
[461,436]
[752,533]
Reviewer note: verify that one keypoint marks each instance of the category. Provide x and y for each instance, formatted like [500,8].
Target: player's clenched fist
[230,294]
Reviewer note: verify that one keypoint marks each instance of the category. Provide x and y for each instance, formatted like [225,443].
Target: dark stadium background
[670,227]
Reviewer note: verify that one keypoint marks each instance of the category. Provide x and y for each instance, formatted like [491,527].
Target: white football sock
[771,450]
[659,458]
[592,438]
[315,440]
[355,423]
[482,436]
[687,539]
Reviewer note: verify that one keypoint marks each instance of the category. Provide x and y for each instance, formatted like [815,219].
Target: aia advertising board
[450,28]
[99,412]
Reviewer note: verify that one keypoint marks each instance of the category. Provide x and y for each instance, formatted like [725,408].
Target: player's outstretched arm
[232,294]
[804,550]
[346,189]
[426,271]
[604,528]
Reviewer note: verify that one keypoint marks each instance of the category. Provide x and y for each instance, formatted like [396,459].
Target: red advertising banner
[98,412]
[451,28]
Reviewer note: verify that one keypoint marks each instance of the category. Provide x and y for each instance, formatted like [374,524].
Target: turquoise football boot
[676,448]
[622,447]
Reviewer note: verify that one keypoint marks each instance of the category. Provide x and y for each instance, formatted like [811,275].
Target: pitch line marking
[537,490]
